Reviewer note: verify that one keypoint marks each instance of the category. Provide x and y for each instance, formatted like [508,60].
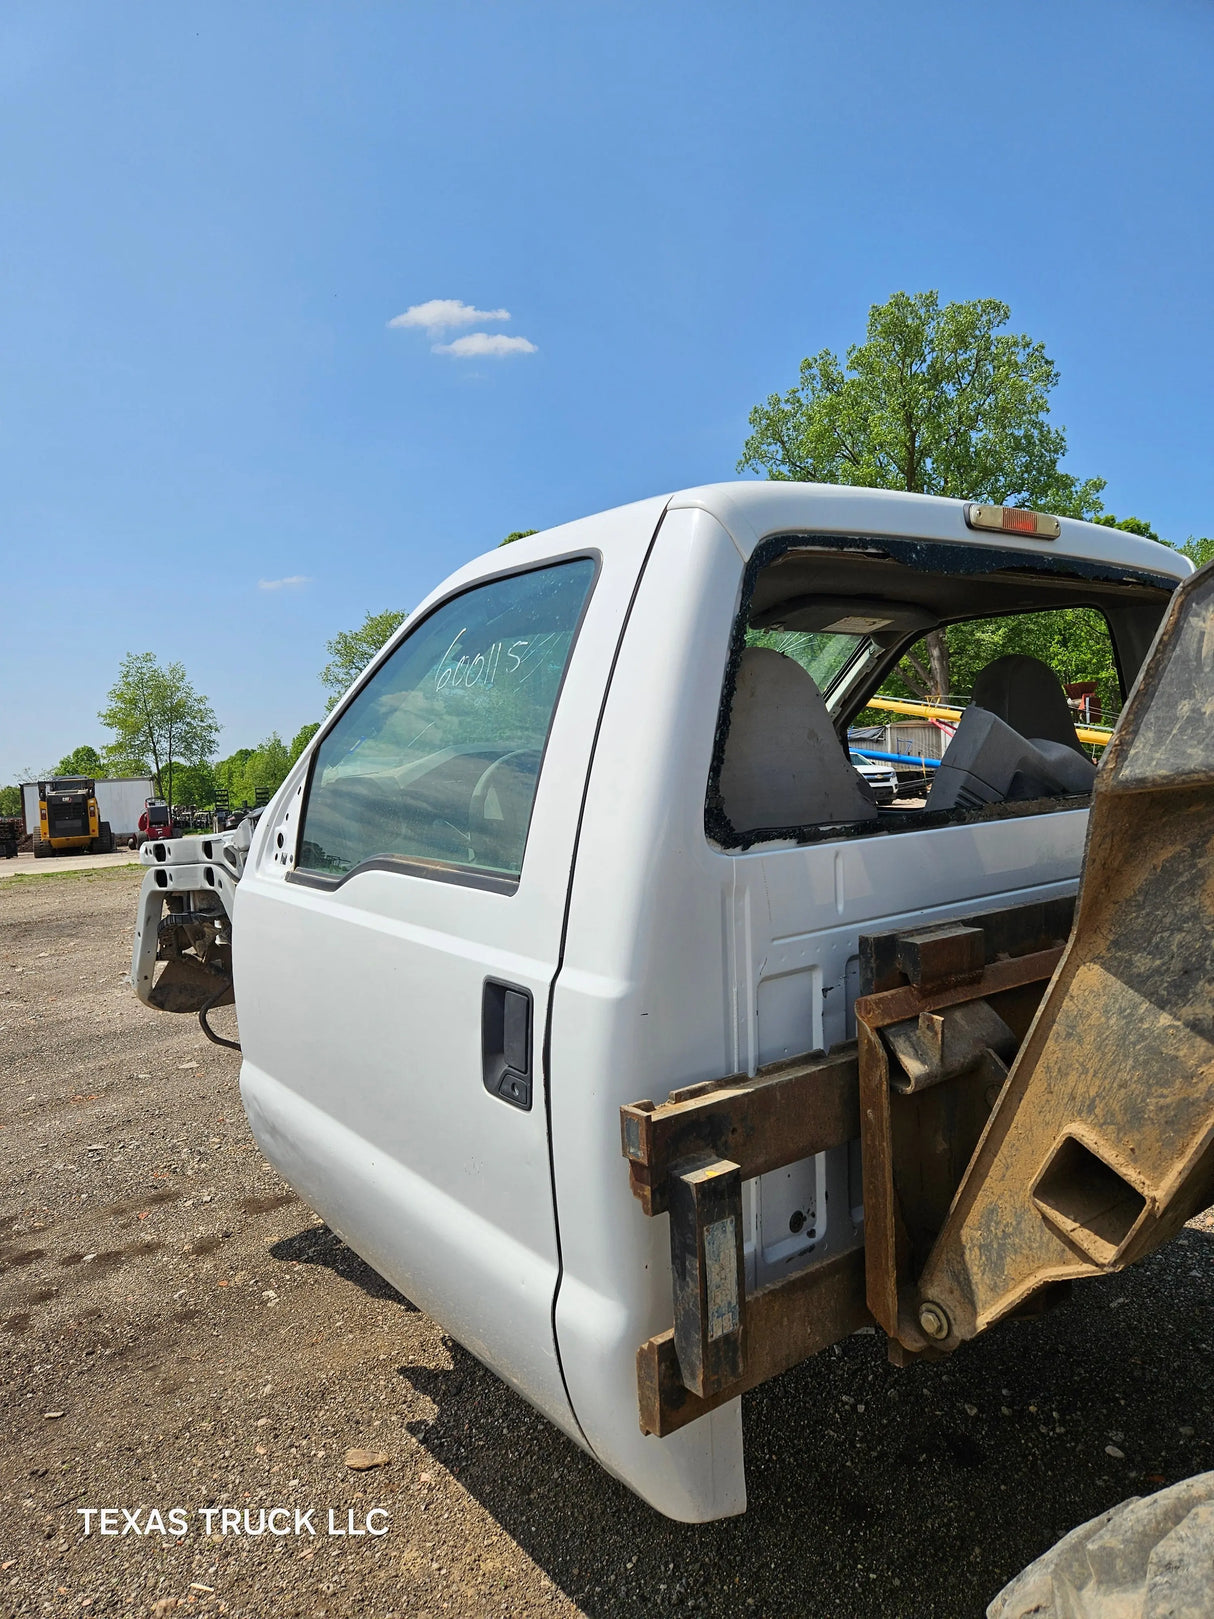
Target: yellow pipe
[1093,735]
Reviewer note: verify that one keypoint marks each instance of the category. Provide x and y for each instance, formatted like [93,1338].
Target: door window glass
[822,654]
[437,759]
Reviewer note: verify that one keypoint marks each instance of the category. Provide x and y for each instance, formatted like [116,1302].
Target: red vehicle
[155,822]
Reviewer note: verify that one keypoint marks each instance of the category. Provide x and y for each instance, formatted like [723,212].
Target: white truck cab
[587,831]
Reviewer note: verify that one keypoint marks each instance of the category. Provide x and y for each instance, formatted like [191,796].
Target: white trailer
[120,800]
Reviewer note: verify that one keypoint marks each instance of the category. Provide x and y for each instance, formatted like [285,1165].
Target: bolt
[933,1320]
[796,1222]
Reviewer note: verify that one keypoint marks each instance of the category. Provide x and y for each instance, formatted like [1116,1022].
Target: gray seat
[988,763]
[784,765]
[1027,695]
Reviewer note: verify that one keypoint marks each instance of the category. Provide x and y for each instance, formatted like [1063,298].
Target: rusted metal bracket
[708,1274]
[786,1323]
[788,1110]
[689,1156]
[898,1120]
[987,1191]
[1101,1143]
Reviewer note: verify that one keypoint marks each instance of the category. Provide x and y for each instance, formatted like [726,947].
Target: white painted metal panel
[644,1003]
[360,1018]
[685,963]
[751,511]
[120,801]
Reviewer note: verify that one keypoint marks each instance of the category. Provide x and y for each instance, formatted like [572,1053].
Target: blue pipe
[895,758]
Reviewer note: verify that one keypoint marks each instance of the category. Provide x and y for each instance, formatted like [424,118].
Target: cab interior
[823,626]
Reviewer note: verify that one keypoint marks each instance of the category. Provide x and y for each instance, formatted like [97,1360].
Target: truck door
[398,930]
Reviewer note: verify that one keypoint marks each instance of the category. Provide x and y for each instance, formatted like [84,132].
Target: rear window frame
[463,876]
[943,556]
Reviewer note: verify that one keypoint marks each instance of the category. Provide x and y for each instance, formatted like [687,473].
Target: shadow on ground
[317,1245]
[874,1493]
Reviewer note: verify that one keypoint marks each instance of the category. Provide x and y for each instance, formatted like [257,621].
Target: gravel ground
[178,1331]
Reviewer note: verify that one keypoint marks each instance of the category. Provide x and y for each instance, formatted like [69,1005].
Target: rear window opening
[878,686]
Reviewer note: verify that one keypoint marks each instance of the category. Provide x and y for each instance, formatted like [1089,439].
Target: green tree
[155,714]
[250,770]
[937,400]
[10,800]
[195,784]
[518,534]
[350,651]
[267,768]
[118,762]
[1131,525]
[301,739]
[229,773]
[82,761]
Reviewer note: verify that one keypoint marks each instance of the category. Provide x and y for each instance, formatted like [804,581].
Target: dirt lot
[178,1331]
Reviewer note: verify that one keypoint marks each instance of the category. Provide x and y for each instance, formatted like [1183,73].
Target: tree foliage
[250,770]
[195,784]
[82,761]
[1198,551]
[518,534]
[157,716]
[10,800]
[350,651]
[301,739]
[229,774]
[937,400]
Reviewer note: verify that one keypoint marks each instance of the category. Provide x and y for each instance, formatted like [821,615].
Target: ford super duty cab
[567,959]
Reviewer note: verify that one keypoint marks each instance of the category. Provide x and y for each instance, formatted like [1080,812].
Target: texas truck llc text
[230,1521]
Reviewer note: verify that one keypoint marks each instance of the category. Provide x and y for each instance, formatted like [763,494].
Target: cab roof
[753,510]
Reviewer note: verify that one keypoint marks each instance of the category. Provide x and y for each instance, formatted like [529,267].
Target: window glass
[823,654]
[437,759]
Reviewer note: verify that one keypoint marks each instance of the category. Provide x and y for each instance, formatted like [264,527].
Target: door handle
[506,1043]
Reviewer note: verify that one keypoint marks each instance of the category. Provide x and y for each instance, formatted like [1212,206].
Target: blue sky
[210,214]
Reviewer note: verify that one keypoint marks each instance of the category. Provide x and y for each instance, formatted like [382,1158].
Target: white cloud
[292,582]
[477,345]
[441,315]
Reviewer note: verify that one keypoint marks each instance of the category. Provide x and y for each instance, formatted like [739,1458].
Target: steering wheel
[502,782]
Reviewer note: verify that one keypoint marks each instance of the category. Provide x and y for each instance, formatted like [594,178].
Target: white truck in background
[587,993]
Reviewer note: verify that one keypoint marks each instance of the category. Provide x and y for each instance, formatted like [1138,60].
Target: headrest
[784,764]
[1027,695]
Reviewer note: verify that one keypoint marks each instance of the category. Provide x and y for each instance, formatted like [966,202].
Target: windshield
[823,654]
